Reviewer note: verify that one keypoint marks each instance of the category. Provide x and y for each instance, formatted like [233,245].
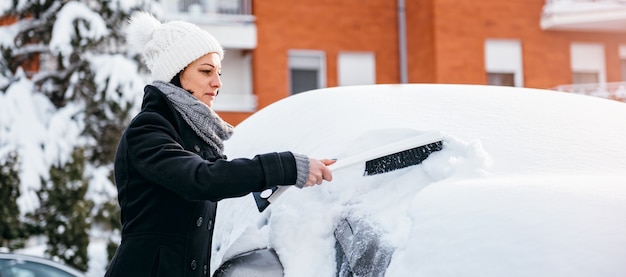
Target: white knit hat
[168,48]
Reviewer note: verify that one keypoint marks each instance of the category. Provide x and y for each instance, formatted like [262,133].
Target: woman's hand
[318,171]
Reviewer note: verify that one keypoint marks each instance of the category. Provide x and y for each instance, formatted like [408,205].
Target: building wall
[421,41]
[453,44]
[445,41]
[326,25]
[463,26]
[321,25]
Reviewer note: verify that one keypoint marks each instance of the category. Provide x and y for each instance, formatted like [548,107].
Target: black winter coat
[168,183]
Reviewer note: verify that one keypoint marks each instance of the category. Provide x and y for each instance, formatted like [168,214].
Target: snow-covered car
[18,265]
[529,183]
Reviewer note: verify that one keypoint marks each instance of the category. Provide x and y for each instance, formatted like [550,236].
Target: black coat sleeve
[158,156]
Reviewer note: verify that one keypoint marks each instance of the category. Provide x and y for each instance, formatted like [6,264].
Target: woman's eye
[206,71]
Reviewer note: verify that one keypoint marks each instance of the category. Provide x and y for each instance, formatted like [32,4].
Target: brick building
[277,48]
[292,46]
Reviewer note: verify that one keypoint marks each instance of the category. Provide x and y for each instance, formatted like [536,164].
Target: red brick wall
[326,25]
[460,28]
[322,25]
[445,41]
[421,46]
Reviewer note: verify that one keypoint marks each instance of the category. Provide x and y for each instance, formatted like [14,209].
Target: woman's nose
[216,82]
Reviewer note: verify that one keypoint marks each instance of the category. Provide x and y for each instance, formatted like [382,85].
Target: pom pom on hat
[141,27]
[167,48]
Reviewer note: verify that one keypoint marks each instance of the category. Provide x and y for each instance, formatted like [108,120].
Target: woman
[170,169]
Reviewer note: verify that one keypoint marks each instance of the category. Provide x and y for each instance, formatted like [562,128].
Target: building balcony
[230,21]
[614,91]
[584,15]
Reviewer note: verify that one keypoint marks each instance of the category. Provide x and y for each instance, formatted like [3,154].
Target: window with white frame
[306,70]
[236,92]
[356,68]
[587,61]
[503,62]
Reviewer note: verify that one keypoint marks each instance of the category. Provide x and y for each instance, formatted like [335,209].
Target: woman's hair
[176,80]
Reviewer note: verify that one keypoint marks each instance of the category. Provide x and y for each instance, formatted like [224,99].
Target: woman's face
[202,78]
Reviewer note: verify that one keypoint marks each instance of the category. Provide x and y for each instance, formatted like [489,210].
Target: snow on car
[529,183]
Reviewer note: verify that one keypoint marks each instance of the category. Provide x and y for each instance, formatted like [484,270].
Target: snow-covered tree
[65,223]
[12,232]
[81,49]
[67,85]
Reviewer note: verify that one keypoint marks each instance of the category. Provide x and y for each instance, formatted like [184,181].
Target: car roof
[564,136]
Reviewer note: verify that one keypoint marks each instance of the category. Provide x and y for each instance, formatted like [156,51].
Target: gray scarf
[202,119]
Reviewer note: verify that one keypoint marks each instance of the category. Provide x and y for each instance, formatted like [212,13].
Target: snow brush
[383,159]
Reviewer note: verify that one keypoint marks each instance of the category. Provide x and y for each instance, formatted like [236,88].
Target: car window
[16,268]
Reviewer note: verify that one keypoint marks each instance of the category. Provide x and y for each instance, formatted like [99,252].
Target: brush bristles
[401,159]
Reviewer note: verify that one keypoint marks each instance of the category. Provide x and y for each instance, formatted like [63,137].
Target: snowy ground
[529,183]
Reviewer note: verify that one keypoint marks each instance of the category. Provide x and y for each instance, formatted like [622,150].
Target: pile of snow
[529,183]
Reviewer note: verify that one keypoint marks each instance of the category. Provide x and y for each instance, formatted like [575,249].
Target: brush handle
[339,164]
[416,141]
